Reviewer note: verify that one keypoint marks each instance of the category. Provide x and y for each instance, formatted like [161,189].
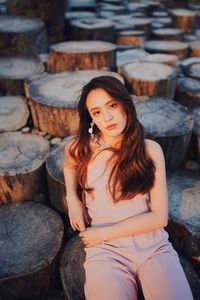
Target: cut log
[196,116]
[76,5]
[31,237]
[73,275]
[81,55]
[54,100]
[184,19]
[186,37]
[186,62]
[22,172]
[188,92]
[193,70]
[138,7]
[174,47]
[167,59]
[22,36]
[131,37]
[55,177]
[92,29]
[184,213]
[139,24]
[14,113]
[170,124]
[14,70]
[129,56]
[115,9]
[166,21]
[151,79]
[168,34]
[195,48]
[73,15]
[51,12]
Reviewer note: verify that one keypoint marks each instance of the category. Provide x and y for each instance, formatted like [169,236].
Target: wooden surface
[195,48]
[168,59]
[31,237]
[22,36]
[169,34]
[81,55]
[170,124]
[187,92]
[22,174]
[131,37]
[14,113]
[184,19]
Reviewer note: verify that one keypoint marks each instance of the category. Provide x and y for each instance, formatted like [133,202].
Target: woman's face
[107,113]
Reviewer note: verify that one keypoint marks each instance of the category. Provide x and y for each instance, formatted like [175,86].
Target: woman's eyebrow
[104,104]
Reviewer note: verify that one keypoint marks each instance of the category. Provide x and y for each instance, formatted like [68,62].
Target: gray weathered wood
[31,236]
[22,172]
[184,19]
[195,48]
[168,59]
[20,35]
[188,92]
[14,113]
[169,34]
[170,124]
[130,56]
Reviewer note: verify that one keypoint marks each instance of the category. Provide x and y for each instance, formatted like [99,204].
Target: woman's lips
[111,127]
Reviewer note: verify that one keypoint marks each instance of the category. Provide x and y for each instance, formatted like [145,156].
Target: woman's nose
[108,116]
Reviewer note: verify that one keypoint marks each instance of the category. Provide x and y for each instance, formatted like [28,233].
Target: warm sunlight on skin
[105,112]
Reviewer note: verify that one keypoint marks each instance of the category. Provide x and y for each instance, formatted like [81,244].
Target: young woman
[122,176]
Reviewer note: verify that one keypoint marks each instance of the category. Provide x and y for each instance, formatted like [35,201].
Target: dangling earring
[90,130]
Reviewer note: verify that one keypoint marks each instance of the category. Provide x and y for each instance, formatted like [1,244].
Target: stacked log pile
[48,51]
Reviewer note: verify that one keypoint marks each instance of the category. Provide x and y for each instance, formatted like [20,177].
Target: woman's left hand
[93,236]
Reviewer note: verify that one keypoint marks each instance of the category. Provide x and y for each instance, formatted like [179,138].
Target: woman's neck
[113,142]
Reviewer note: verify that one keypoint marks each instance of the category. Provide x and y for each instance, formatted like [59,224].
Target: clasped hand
[93,236]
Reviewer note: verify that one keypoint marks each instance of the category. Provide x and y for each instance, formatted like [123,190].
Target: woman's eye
[114,105]
[96,113]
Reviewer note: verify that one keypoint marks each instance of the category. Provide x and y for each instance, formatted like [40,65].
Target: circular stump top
[14,113]
[159,46]
[183,12]
[168,59]
[167,31]
[31,236]
[63,89]
[148,71]
[193,70]
[71,15]
[71,269]
[20,67]
[18,24]
[184,195]
[190,60]
[137,21]
[163,117]
[196,116]
[92,23]
[21,153]
[83,47]
[188,84]
[129,56]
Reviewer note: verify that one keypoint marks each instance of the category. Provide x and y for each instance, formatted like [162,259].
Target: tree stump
[165,21]
[22,172]
[115,9]
[193,69]
[139,24]
[168,34]
[22,36]
[177,48]
[14,113]
[31,237]
[55,177]
[51,12]
[14,70]
[53,100]
[184,213]
[73,15]
[129,56]
[76,5]
[81,55]
[170,124]
[195,48]
[168,59]
[151,79]
[131,37]
[188,92]
[184,19]
[196,116]
[92,29]
[187,62]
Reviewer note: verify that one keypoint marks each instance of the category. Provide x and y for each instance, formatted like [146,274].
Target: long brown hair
[134,169]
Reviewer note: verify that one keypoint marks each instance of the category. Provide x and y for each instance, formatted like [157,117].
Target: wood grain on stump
[184,19]
[193,70]
[152,79]
[129,56]
[81,55]
[168,59]
[22,36]
[185,64]
[14,113]
[31,236]
[55,177]
[51,12]
[195,48]
[139,24]
[196,116]
[184,213]
[73,15]
[14,70]
[54,100]
[75,5]
[169,34]
[174,47]
[115,9]
[170,124]
[131,37]
[188,92]
[22,171]
[92,29]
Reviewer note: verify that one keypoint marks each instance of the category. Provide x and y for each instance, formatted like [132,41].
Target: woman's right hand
[78,214]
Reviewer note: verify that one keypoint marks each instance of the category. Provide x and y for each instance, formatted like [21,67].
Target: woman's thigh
[162,277]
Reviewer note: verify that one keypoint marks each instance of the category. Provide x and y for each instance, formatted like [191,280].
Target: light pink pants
[114,270]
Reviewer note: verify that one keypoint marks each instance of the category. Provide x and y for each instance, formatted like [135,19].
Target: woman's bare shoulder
[69,160]
[154,150]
